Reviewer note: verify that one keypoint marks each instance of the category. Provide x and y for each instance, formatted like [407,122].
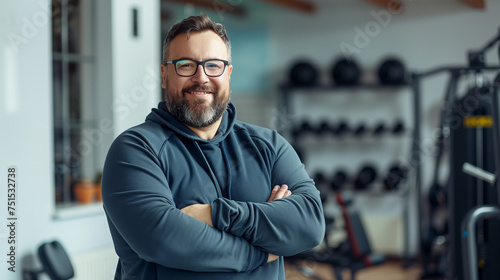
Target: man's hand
[202,212]
[279,192]
[272,258]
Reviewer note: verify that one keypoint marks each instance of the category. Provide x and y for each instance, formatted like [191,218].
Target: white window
[74,98]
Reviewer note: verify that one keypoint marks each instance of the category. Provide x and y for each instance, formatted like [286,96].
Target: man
[193,193]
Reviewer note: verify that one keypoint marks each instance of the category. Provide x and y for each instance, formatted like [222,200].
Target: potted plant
[97,186]
[84,191]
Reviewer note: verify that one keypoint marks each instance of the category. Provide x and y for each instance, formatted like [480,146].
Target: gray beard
[198,114]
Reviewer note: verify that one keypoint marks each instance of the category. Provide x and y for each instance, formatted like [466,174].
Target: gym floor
[391,270]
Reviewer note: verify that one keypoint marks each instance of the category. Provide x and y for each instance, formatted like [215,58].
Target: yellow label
[478,121]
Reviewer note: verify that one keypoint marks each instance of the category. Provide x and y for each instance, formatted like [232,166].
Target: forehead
[198,45]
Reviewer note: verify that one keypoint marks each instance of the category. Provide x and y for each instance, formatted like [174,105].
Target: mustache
[199,88]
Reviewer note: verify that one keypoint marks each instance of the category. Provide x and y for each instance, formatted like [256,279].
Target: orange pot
[97,189]
[84,191]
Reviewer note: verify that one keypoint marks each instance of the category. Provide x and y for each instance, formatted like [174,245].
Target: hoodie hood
[162,116]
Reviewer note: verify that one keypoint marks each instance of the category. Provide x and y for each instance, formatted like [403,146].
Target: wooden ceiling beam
[475,3]
[394,5]
[219,6]
[299,5]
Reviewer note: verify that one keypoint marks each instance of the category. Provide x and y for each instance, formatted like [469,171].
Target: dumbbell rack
[287,93]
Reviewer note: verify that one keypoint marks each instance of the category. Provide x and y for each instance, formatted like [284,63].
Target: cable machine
[467,129]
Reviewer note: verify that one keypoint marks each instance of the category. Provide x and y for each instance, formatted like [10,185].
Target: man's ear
[230,69]
[163,76]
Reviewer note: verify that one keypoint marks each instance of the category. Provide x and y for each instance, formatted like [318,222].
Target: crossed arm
[203,212]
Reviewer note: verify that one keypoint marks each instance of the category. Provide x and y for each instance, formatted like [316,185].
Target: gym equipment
[341,129]
[303,73]
[360,130]
[480,213]
[434,261]
[469,122]
[55,261]
[365,177]
[324,128]
[346,72]
[354,254]
[379,129]
[338,181]
[304,127]
[395,176]
[319,178]
[470,141]
[398,128]
[392,72]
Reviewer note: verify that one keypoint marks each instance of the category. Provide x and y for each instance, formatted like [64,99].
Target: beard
[197,112]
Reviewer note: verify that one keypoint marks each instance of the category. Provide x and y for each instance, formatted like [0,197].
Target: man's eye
[187,65]
[212,65]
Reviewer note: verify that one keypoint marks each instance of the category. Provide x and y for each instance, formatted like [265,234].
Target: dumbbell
[304,127]
[324,128]
[360,130]
[395,176]
[341,128]
[392,72]
[398,128]
[365,177]
[379,129]
[303,73]
[345,72]
[338,181]
[319,178]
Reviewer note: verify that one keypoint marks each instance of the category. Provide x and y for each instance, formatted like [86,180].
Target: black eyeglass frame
[202,63]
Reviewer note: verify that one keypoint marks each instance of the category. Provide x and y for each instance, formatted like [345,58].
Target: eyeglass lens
[188,67]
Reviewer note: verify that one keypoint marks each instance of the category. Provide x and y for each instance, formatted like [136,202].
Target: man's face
[199,100]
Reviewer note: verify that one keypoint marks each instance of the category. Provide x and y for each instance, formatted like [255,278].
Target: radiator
[96,265]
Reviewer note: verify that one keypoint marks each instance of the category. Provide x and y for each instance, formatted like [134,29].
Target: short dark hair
[196,24]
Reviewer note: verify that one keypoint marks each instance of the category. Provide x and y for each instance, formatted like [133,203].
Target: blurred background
[347,82]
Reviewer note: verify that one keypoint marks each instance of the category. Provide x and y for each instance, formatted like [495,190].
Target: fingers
[272,258]
[279,192]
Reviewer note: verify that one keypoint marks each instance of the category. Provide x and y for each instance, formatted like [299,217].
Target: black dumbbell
[319,178]
[392,72]
[324,128]
[365,177]
[303,73]
[338,181]
[341,128]
[379,129]
[304,127]
[396,175]
[398,128]
[346,72]
[360,130]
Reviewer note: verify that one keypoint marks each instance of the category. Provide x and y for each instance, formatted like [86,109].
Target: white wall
[26,116]
[136,62]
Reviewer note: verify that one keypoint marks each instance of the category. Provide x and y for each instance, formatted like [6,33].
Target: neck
[207,132]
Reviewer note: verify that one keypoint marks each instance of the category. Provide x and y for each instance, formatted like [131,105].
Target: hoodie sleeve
[139,204]
[285,226]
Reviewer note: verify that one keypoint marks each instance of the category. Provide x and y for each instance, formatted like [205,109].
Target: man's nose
[200,75]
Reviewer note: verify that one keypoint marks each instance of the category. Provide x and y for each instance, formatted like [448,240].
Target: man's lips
[199,92]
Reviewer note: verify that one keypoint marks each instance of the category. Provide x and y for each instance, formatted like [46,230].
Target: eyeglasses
[188,67]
